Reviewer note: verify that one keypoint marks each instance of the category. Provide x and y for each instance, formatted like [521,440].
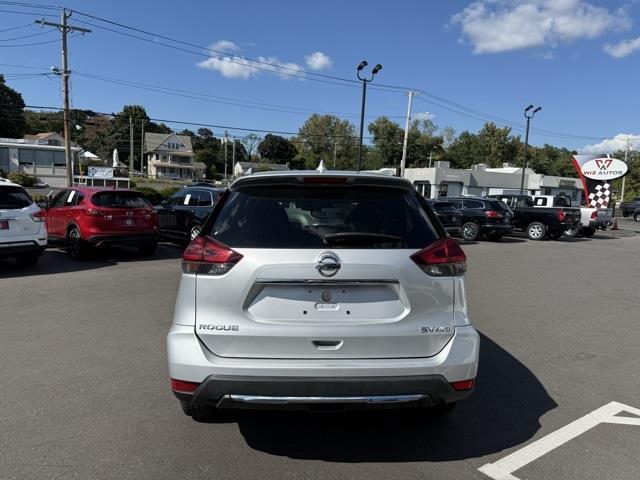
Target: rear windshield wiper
[359,238]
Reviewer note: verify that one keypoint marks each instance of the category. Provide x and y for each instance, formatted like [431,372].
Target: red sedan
[80,218]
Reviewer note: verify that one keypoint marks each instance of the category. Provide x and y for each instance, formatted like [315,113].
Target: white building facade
[444,181]
[171,156]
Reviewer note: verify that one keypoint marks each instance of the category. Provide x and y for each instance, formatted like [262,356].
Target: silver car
[308,288]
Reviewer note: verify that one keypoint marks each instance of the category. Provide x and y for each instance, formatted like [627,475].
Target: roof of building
[154,140]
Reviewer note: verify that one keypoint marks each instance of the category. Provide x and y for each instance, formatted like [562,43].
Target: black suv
[482,217]
[448,214]
[182,216]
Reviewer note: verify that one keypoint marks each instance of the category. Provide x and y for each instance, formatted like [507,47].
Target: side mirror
[43,204]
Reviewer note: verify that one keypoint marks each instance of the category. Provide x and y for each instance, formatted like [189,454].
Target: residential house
[170,156]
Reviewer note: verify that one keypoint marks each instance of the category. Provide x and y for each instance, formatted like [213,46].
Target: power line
[215,98]
[25,36]
[16,28]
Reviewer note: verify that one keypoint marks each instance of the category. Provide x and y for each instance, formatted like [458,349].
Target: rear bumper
[123,239]
[250,392]
[222,379]
[11,249]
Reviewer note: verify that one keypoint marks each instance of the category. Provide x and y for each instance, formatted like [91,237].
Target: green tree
[388,138]
[276,149]
[12,120]
[323,135]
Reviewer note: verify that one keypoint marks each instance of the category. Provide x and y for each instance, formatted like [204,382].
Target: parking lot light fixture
[364,81]
[528,114]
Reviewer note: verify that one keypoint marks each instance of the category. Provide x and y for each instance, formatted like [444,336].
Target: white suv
[23,234]
[309,288]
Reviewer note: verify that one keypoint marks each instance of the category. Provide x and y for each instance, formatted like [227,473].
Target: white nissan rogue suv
[23,234]
[309,288]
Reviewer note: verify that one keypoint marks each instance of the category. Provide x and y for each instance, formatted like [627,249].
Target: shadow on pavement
[58,261]
[503,412]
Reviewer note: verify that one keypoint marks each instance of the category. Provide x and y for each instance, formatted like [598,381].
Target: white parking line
[504,468]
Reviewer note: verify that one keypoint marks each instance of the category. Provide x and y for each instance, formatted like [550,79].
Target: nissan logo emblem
[328,265]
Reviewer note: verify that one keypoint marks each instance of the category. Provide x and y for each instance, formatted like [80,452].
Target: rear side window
[119,199]
[12,198]
[323,218]
[473,204]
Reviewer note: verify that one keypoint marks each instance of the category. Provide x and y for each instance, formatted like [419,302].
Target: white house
[171,156]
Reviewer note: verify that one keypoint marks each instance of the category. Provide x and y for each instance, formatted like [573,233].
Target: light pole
[529,113]
[364,81]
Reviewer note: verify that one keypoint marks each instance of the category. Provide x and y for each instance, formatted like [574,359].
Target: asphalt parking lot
[85,390]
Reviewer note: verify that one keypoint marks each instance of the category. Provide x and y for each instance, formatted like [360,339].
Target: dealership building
[444,181]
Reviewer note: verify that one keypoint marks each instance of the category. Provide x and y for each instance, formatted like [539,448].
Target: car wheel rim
[468,232]
[535,231]
[195,231]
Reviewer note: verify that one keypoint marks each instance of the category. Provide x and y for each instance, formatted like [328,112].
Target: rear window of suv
[13,198]
[120,200]
[313,217]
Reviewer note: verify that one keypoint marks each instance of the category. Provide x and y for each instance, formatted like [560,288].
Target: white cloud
[423,116]
[318,61]
[243,68]
[623,48]
[225,46]
[494,26]
[610,145]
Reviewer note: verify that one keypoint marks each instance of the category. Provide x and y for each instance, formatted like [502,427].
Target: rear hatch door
[325,273]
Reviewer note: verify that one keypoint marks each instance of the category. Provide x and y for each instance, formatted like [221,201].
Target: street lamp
[364,81]
[529,113]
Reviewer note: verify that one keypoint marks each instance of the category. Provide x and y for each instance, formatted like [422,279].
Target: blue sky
[578,59]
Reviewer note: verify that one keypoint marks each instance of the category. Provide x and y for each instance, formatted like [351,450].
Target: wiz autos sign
[597,173]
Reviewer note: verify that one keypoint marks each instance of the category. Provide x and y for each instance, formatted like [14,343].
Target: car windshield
[313,217]
[120,199]
[12,198]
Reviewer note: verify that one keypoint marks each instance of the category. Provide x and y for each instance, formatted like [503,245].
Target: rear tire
[572,232]
[204,414]
[536,231]
[469,231]
[76,246]
[28,260]
[148,249]
[636,217]
[588,232]
[555,235]
[442,409]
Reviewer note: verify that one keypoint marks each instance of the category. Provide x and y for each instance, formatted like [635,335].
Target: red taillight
[594,215]
[206,256]
[181,386]
[492,214]
[38,216]
[463,385]
[93,212]
[561,215]
[444,258]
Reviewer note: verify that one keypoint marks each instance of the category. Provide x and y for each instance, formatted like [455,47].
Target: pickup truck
[539,222]
[591,219]
[631,208]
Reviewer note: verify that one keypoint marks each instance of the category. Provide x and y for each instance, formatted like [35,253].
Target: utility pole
[233,153]
[142,148]
[130,147]
[64,29]
[528,114]
[226,137]
[626,157]
[406,135]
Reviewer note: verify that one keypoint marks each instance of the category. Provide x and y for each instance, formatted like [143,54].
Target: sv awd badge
[435,330]
[227,328]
